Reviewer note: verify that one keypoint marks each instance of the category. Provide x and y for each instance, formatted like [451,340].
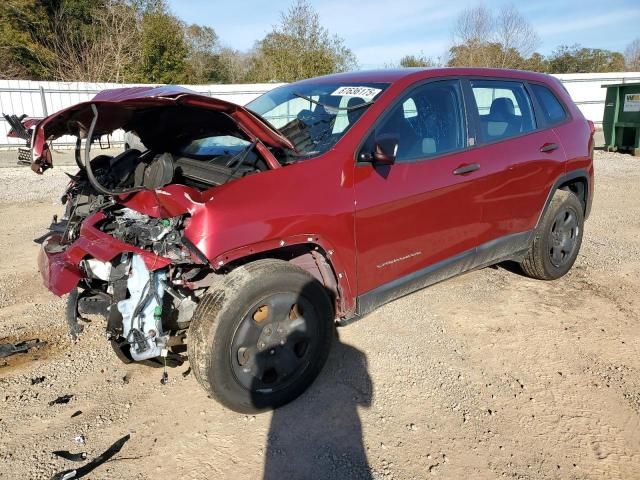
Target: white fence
[38,99]
[587,92]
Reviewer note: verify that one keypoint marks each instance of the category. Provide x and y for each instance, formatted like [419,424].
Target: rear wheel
[260,338]
[557,239]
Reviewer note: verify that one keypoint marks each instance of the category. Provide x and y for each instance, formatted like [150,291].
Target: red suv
[240,235]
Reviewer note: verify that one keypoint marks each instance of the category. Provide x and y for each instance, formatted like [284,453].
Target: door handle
[464,169]
[548,147]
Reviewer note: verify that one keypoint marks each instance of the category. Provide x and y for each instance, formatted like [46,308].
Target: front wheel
[557,238]
[261,336]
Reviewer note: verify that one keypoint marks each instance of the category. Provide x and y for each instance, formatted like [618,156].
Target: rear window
[504,109]
[552,109]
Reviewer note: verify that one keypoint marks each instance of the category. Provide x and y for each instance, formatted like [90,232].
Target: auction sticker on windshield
[368,93]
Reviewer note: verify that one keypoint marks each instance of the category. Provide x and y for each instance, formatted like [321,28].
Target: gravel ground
[488,375]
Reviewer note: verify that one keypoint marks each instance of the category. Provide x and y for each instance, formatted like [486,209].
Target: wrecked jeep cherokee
[241,235]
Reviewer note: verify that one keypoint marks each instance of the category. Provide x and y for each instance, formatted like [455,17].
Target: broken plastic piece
[76,413]
[93,464]
[72,315]
[8,349]
[67,455]
[62,399]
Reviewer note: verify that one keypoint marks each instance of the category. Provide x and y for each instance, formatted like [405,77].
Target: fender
[580,173]
[347,302]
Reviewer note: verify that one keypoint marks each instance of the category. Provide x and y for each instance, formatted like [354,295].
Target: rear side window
[552,109]
[504,109]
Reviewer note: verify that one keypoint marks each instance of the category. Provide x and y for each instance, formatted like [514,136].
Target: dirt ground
[488,375]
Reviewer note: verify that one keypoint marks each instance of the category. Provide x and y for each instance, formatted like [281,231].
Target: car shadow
[512,267]
[319,435]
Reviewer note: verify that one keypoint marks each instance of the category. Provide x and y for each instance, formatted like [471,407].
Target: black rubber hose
[87,162]
[77,153]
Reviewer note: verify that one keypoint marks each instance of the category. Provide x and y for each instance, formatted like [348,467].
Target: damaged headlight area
[162,236]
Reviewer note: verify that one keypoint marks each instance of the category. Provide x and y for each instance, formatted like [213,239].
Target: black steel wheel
[557,238]
[261,335]
[275,342]
[564,236]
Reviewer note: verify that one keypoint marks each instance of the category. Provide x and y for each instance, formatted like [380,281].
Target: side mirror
[386,149]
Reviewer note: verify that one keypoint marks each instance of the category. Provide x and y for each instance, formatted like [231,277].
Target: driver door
[416,215]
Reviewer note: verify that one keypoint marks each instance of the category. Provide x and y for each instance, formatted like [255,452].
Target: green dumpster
[621,121]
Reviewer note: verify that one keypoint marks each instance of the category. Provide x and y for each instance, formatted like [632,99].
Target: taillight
[592,126]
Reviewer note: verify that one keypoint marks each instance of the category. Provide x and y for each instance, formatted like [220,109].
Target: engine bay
[122,249]
[147,309]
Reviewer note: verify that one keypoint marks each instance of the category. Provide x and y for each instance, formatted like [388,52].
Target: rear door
[520,157]
[423,209]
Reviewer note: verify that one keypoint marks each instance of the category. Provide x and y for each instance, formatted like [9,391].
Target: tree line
[505,39]
[143,41]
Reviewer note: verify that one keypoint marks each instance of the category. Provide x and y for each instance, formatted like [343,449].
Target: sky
[380,32]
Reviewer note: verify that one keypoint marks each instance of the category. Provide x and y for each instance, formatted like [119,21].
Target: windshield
[208,147]
[315,116]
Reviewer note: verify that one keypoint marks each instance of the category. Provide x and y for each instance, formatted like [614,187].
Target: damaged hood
[163,117]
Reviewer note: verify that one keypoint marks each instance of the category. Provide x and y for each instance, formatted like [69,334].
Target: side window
[504,108]
[552,109]
[428,122]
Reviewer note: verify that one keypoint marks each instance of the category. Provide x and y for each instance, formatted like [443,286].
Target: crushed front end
[135,271]
[125,247]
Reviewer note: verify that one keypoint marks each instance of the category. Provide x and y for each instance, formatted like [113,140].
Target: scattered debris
[62,399]
[8,349]
[80,440]
[37,380]
[67,455]
[93,464]
[186,373]
[76,414]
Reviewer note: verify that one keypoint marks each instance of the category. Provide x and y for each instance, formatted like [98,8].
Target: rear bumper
[60,264]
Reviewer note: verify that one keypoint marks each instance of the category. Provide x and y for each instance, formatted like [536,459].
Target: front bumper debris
[60,264]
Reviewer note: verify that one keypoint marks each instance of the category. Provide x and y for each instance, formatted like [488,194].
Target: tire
[260,336]
[557,239]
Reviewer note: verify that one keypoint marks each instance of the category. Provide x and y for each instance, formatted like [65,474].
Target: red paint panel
[515,182]
[412,215]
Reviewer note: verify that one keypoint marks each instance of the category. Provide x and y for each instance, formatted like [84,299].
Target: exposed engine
[159,235]
[122,249]
[141,313]
[147,311]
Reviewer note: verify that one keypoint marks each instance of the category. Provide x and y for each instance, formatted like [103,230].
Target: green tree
[536,63]
[421,60]
[163,48]
[577,59]
[202,59]
[106,52]
[23,34]
[231,66]
[299,47]
[485,54]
